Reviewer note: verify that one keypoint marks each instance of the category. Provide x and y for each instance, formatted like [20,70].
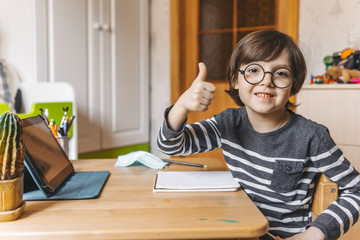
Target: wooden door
[208,31]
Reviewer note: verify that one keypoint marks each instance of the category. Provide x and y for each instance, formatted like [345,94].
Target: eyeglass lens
[281,78]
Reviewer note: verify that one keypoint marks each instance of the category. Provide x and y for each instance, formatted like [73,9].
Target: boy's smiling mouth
[264,94]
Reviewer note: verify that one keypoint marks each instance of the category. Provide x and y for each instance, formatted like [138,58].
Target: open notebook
[48,173]
[195,181]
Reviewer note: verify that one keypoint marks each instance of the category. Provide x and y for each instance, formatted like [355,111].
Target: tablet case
[42,149]
[79,185]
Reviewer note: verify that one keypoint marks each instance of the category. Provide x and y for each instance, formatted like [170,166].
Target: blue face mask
[141,157]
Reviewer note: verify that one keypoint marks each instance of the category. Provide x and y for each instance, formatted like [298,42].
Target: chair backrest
[325,193]
[4,108]
[50,92]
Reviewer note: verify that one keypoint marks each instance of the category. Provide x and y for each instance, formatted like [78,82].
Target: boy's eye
[282,73]
[253,70]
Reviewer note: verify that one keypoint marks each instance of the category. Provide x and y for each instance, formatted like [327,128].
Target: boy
[274,153]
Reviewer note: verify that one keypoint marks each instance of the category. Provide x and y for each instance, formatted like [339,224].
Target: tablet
[44,158]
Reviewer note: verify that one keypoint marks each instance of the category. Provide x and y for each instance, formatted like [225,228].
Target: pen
[64,116]
[186,163]
[53,128]
[65,126]
[69,124]
[44,115]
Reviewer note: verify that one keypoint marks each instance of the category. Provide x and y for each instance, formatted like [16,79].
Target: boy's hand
[198,97]
[311,233]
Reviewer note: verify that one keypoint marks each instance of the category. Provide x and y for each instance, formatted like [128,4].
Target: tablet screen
[44,154]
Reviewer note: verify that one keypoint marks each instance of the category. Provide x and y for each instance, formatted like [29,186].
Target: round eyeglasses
[281,77]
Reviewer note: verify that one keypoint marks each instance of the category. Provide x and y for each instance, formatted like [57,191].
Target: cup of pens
[60,131]
[64,143]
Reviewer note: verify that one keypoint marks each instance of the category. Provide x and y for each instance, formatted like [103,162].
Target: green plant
[12,151]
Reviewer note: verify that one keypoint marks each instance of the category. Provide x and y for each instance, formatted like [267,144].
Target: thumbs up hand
[198,97]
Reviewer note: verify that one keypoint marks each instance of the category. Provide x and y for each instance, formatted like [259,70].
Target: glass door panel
[255,13]
[223,23]
[215,52]
[215,14]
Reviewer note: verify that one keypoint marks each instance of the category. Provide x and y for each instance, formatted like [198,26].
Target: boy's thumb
[202,71]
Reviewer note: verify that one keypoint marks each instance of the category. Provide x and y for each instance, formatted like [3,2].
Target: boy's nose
[267,80]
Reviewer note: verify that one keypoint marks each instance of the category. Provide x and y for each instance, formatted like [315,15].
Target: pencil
[186,163]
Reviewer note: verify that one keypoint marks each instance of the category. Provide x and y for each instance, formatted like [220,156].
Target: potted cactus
[12,154]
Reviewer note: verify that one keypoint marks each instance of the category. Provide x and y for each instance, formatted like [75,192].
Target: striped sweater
[276,169]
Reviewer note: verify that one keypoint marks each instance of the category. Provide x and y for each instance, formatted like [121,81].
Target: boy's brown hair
[265,45]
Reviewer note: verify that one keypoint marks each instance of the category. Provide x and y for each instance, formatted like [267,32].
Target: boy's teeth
[263,95]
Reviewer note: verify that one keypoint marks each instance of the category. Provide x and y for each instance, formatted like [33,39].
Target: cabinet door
[70,57]
[100,48]
[124,70]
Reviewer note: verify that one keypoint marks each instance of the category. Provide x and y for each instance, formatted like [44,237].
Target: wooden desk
[128,209]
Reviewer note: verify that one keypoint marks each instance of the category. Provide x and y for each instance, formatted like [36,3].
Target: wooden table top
[128,209]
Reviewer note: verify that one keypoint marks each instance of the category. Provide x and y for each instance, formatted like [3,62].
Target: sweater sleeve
[344,212]
[192,138]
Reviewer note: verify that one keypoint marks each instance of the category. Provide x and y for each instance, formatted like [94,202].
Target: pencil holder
[64,143]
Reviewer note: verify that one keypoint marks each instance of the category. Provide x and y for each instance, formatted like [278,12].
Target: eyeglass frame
[293,79]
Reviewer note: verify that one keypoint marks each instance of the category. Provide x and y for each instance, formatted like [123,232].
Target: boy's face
[265,98]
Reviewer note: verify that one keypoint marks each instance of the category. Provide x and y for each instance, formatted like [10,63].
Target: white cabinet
[101,48]
[337,107]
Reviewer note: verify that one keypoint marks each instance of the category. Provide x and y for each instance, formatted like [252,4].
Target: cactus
[12,151]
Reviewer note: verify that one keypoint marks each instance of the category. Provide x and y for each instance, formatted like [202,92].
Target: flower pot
[11,198]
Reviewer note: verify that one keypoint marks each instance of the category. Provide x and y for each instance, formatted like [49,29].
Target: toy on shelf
[337,73]
[341,67]
[328,60]
[318,79]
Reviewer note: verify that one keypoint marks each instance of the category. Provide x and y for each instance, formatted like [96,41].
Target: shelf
[330,86]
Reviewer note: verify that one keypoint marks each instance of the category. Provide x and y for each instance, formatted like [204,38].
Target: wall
[325,26]
[17,36]
[159,67]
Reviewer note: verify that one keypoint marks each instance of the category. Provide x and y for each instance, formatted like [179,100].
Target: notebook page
[193,180]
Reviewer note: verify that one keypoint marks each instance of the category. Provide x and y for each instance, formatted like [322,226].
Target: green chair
[4,108]
[52,96]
